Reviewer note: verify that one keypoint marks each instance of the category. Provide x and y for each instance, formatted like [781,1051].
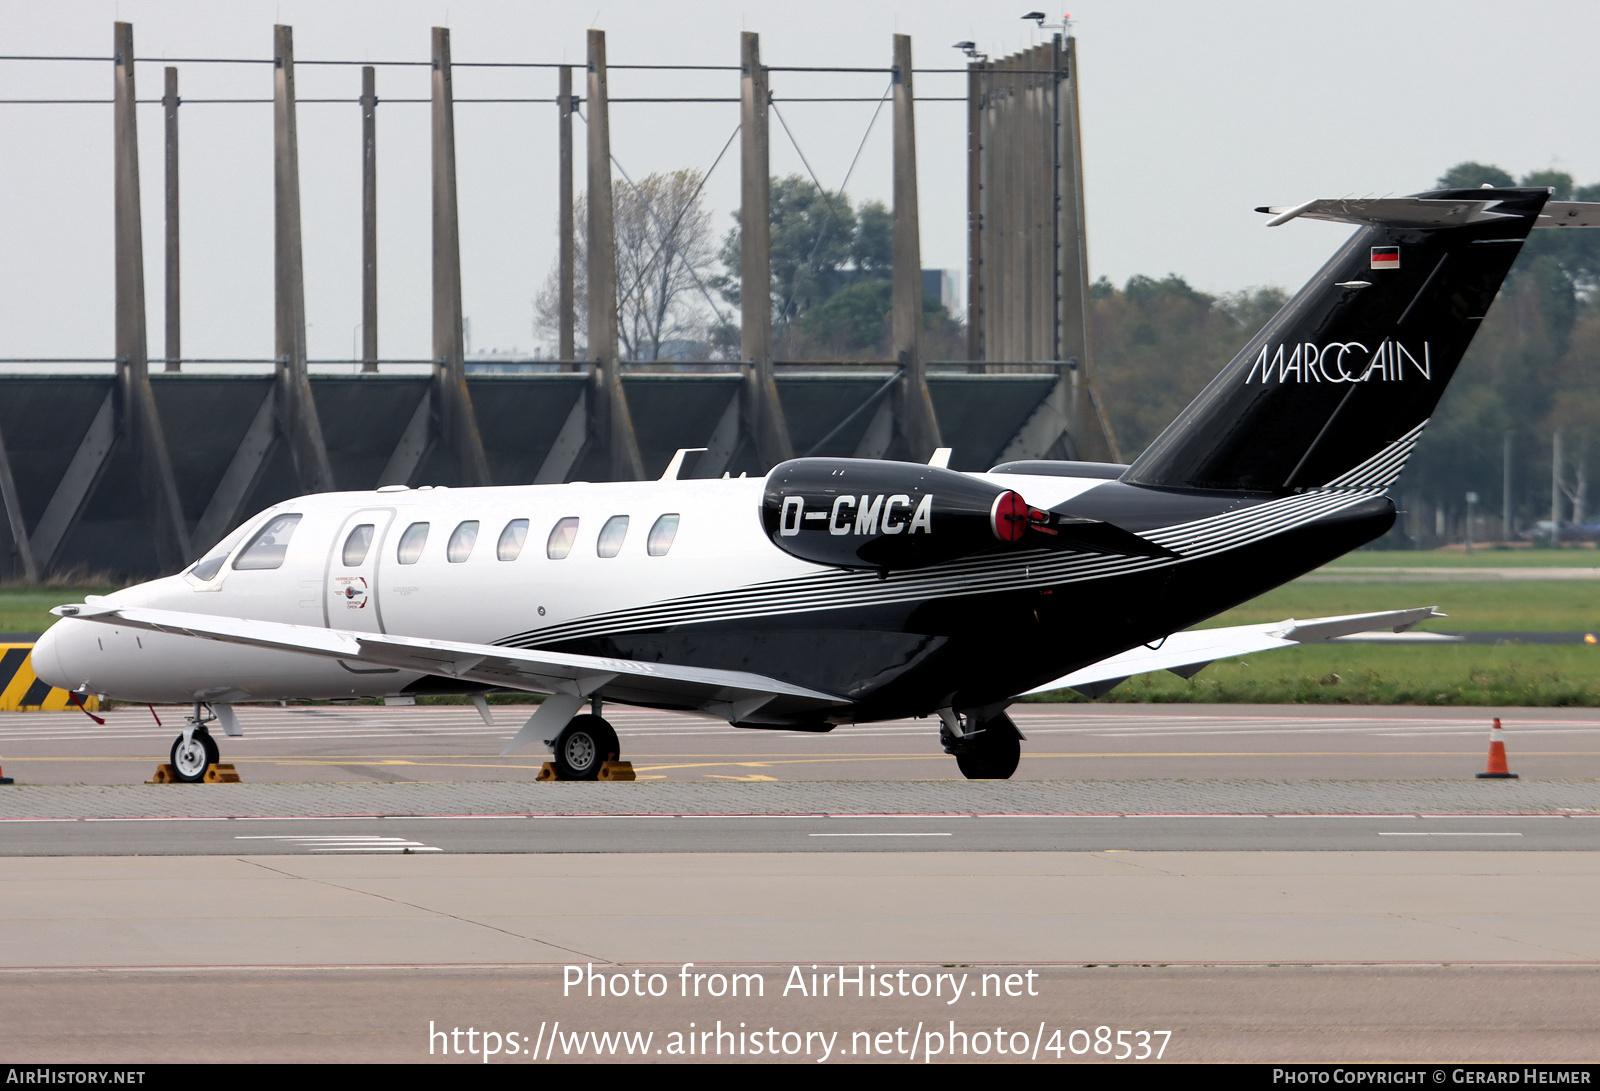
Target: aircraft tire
[994,755]
[189,763]
[585,744]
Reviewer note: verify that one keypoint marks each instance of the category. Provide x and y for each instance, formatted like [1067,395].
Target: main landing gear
[195,749]
[984,748]
[584,745]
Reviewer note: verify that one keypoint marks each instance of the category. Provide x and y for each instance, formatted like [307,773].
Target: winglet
[671,473]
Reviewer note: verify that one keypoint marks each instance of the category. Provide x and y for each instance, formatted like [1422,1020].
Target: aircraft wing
[1187,652]
[732,695]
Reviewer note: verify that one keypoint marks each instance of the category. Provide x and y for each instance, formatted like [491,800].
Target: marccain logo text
[1340,362]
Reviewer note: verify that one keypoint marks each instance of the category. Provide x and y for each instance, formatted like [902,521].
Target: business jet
[841,591]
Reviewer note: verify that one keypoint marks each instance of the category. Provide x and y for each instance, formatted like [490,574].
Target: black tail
[1334,392]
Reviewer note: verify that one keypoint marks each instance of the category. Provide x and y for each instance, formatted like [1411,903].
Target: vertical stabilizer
[1335,391]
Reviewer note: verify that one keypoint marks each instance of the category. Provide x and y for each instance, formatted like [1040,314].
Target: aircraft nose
[56,659]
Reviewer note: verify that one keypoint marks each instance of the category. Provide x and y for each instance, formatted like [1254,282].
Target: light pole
[1472,503]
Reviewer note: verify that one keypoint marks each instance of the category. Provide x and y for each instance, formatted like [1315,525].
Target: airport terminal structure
[136,463]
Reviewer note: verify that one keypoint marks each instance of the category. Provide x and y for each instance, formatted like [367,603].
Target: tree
[820,244]
[665,252]
[832,267]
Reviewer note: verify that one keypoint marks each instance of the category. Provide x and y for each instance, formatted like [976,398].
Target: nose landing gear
[984,749]
[195,749]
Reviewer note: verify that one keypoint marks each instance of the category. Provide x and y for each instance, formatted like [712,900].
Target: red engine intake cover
[1009,516]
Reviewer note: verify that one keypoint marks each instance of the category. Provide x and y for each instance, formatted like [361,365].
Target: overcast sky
[1193,114]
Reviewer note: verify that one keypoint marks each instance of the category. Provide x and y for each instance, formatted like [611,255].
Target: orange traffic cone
[5,780]
[1497,757]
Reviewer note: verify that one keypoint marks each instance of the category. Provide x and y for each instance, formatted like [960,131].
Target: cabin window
[511,539]
[609,544]
[411,543]
[267,548]
[462,539]
[661,535]
[561,538]
[356,546]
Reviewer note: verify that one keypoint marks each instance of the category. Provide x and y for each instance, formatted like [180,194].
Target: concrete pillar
[369,218]
[613,424]
[1073,254]
[567,349]
[297,412]
[975,301]
[138,420]
[764,412]
[917,425]
[457,424]
[16,530]
[169,103]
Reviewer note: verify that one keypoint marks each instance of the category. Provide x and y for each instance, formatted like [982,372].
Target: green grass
[27,609]
[1562,605]
[1576,556]
[1366,674]
[1320,674]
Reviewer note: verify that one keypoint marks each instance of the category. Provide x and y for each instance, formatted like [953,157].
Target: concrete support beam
[226,506]
[71,493]
[975,301]
[297,412]
[16,530]
[169,105]
[140,424]
[457,424]
[1090,426]
[412,447]
[612,424]
[568,445]
[369,218]
[916,423]
[567,240]
[768,428]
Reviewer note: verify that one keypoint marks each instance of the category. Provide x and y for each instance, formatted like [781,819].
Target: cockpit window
[356,546]
[411,542]
[462,539]
[207,567]
[661,535]
[271,542]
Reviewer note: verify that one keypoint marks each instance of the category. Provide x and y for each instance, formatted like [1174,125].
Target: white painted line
[880,835]
[1457,833]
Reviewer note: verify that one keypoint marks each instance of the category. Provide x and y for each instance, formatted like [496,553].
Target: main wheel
[993,754]
[585,744]
[189,760]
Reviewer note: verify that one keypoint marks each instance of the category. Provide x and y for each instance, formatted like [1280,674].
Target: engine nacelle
[863,513]
[860,513]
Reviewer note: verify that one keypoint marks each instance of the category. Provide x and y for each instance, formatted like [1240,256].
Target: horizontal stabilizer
[1391,211]
[1197,647]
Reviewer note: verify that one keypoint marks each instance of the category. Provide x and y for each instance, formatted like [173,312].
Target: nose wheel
[192,754]
[194,750]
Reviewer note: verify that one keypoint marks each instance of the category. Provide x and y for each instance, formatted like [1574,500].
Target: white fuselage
[719,546]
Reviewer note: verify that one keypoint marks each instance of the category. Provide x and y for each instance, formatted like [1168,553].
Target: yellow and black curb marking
[22,691]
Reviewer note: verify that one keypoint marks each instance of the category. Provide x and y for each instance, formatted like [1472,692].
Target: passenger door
[350,599]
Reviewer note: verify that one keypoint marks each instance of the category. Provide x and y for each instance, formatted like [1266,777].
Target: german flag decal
[20,688]
[1386,257]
